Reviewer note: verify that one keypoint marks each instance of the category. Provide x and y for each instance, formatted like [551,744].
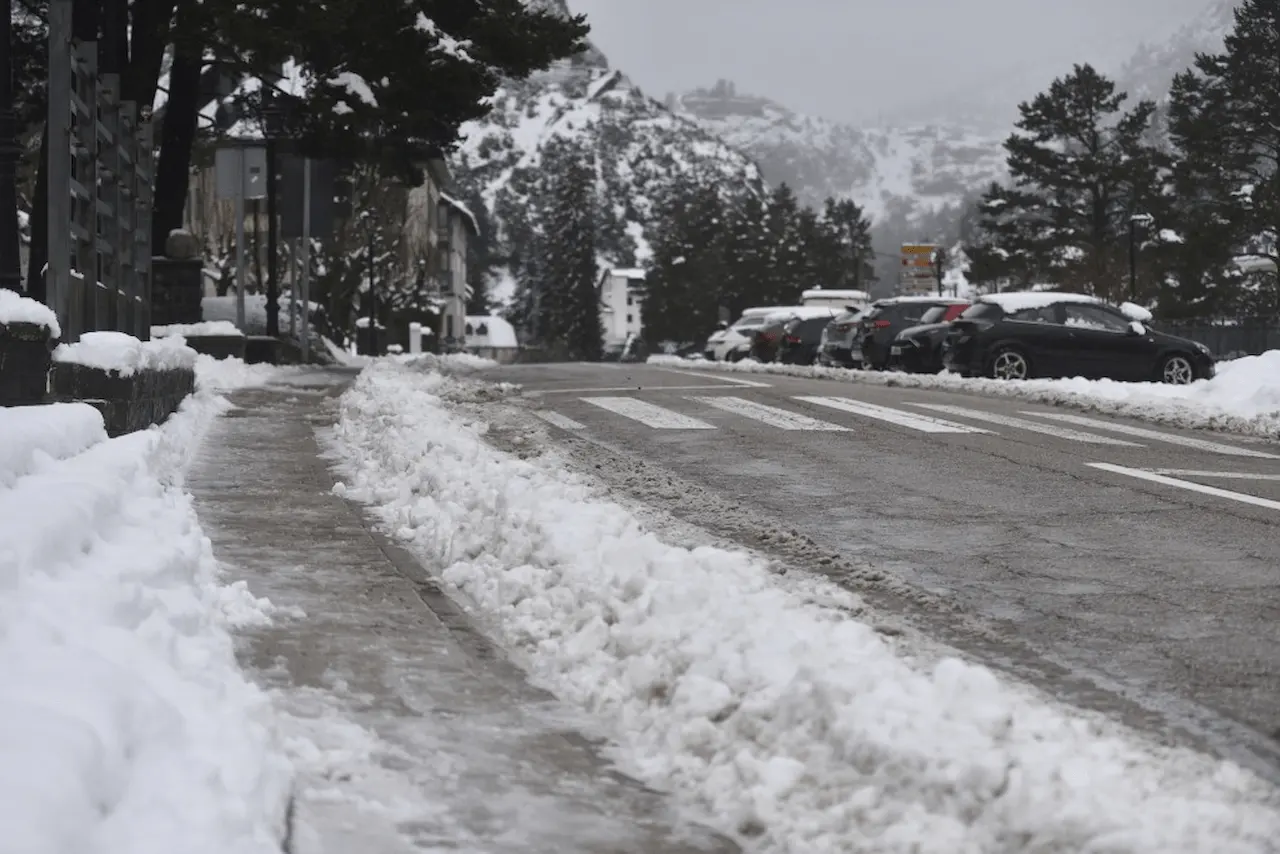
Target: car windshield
[749,323]
[934,315]
[980,310]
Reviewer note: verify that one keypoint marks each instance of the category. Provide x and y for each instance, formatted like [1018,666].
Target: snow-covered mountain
[642,148]
[1152,67]
[901,171]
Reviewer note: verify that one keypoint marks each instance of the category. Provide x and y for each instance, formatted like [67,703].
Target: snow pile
[125,355]
[194,330]
[230,374]
[1244,397]
[759,697]
[32,437]
[450,363]
[15,308]
[126,725]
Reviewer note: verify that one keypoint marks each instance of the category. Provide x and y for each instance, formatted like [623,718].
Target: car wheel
[1009,363]
[1177,370]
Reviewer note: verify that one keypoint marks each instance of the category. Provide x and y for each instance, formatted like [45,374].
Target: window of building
[630,301]
[448,326]
[628,318]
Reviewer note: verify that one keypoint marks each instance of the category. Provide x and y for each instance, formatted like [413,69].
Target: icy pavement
[764,701]
[410,732]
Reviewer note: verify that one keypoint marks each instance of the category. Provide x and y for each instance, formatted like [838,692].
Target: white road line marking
[1227,475]
[1144,433]
[632,388]
[774,417]
[557,420]
[730,380]
[1023,424]
[923,423]
[1188,485]
[647,413]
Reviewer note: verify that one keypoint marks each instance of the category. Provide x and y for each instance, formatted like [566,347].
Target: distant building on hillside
[621,293]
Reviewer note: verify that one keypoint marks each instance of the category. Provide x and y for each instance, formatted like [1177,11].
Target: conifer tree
[568,250]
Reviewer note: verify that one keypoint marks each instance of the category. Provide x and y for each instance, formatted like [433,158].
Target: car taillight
[793,339]
[843,327]
[882,324]
[767,336]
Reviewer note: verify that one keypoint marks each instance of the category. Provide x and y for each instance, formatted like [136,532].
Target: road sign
[293,188]
[246,164]
[917,273]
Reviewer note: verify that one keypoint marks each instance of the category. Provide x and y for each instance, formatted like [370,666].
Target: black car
[881,323]
[918,349]
[767,338]
[1021,335]
[800,340]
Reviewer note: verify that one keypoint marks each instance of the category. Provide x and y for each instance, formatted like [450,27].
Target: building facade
[621,296]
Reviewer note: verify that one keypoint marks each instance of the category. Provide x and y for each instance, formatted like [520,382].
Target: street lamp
[10,151]
[1136,220]
[272,128]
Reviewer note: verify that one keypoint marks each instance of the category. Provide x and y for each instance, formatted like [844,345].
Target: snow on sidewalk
[1244,397]
[125,723]
[785,721]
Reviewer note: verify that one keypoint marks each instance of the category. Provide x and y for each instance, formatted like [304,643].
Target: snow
[761,700]
[923,298]
[803,312]
[632,273]
[15,308]
[1022,300]
[1244,396]
[500,332]
[126,725]
[34,436]
[355,85]
[194,330]
[124,354]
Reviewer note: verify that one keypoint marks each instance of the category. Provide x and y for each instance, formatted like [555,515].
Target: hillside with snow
[642,148]
[896,172]
[1152,67]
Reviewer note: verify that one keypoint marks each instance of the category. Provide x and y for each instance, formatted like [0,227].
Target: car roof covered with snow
[908,300]
[1022,300]
[803,312]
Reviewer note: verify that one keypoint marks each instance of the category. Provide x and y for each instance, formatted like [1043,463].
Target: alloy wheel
[1010,365]
[1178,371]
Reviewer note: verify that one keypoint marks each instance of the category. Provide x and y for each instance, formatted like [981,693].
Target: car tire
[1176,369]
[1008,363]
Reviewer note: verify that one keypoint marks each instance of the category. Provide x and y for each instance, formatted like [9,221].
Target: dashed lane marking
[910,420]
[1156,435]
[774,417]
[1190,486]
[1031,426]
[647,413]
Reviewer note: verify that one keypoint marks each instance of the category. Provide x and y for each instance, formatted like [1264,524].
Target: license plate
[895,350]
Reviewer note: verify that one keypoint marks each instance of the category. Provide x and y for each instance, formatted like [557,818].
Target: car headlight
[1203,349]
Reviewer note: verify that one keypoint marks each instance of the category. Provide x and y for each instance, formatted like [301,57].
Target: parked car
[800,340]
[1021,335]
[918,349]
[730,343]
[767,341]
[881,323]
[836,347]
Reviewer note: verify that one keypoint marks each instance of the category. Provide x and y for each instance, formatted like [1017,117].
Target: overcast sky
[863,59]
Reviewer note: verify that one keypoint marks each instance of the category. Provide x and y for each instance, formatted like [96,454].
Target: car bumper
[964,359]
[913,358]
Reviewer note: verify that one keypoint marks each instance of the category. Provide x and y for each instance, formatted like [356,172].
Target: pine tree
[746,255]
[844,253]
[686,275]
[1227,175]
[568,250]
[787,270]
[1081,167]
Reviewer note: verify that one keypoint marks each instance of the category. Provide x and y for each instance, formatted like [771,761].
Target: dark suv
[1016,336]
[880,324]
[918,349]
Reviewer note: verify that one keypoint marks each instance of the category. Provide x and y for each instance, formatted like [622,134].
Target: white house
[492,337]
[621,292]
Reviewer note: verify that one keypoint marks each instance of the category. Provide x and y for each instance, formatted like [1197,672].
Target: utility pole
[373,300]
[1133,259]
[10,265]
[273,266]
[939,260]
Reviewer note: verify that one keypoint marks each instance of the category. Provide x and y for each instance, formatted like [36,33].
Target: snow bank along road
[1126,566]
[794,714]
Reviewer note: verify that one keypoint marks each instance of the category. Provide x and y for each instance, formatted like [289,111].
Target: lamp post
[272,118]
[1136,220]
[939,261]
[10,267]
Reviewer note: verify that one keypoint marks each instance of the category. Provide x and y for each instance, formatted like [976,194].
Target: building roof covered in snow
[464,211]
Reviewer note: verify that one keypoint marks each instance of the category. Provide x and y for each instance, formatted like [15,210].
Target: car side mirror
[1136,328]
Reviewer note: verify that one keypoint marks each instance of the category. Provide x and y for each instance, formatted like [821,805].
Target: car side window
[1094,317]
[1041,314]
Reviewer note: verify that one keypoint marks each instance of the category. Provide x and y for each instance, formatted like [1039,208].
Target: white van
[836,298]
[733,341]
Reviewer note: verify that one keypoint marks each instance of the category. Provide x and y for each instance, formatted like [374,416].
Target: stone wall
[25,353]
[127,403]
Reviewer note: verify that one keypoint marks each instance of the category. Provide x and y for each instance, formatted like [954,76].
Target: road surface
[1124,567]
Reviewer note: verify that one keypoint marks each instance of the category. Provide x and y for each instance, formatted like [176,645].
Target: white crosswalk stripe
[1156,435]
[557,420]
[911,420]
[648,414]
[774,417]
[1023,424]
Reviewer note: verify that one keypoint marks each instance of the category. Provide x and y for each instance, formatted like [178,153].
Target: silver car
[837,345]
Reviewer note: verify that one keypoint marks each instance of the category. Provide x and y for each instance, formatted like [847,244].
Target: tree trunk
[177,136]
[39,254]
[151,21]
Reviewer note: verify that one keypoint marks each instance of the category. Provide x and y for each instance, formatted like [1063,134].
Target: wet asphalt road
[1086,556]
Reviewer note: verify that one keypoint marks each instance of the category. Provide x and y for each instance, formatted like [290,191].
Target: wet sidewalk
[411,731]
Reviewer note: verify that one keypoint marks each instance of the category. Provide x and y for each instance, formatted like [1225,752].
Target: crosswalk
[919,417]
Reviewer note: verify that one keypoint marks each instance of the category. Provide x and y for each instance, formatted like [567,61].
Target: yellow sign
[918,248]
